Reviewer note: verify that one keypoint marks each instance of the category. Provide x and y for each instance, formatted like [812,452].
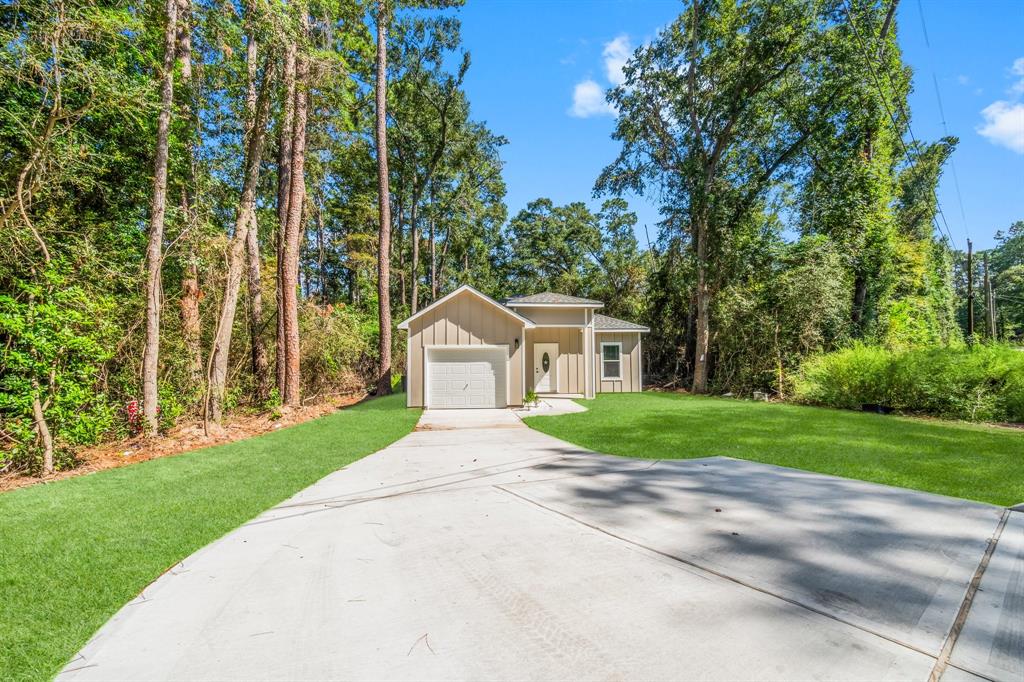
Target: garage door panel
[467,377]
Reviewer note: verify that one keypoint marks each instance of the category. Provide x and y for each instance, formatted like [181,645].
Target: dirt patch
[182,438]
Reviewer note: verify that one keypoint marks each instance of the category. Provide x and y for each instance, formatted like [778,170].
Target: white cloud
[1004,119]
[588,100]
[963,80]
[588,96]
[1004,125]
[616,53]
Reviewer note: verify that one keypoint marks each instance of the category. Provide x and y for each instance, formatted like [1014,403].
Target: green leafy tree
[712,113]
[75,103]
[571,250]
[1006,263]
[1009,295]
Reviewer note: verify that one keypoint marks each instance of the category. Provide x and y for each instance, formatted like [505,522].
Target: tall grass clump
[983,382]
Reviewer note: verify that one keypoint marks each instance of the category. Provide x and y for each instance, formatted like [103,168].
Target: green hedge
[984,382]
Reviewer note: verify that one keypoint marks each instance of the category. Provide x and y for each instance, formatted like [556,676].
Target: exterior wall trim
[408,373]
[640,353]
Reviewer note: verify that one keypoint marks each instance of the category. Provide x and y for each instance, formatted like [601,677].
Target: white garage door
[466,377]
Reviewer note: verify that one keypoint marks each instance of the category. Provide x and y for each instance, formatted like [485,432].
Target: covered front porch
[556,362]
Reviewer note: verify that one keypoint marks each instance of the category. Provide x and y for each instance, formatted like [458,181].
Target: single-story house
[469,350]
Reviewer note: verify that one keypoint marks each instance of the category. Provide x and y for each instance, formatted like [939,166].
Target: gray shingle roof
[549,298]
[603,322]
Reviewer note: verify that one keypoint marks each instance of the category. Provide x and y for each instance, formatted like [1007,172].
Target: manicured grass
[951,458]
[73,552]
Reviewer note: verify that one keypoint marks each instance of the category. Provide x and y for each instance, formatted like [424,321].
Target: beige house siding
[571,364]
[541,315]
[464,320]
[631,364]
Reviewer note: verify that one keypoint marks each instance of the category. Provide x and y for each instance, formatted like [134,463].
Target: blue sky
[540,68]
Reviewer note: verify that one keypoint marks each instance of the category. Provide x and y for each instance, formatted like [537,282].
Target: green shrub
[984,382]
[172,406]
[55,337]
[338,349]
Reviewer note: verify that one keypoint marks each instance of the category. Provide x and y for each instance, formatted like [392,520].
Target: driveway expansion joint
[942,662]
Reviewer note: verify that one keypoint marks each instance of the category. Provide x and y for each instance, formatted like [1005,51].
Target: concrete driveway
[477,548]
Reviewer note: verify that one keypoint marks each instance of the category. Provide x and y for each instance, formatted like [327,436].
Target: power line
[945,128]
[924,27]
[892,118]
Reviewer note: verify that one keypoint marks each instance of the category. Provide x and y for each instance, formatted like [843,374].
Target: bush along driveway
[971,461]
[73,552]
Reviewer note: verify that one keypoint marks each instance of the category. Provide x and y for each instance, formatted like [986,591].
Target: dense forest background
[211,206]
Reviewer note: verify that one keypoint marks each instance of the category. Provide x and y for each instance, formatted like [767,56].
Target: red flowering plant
[133,415]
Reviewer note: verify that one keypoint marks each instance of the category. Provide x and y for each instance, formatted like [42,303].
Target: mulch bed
[182,438]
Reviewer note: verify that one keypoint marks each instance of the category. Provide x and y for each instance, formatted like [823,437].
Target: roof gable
[404,324]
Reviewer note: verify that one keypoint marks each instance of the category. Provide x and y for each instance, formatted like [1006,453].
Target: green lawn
[962,460]
[73,552]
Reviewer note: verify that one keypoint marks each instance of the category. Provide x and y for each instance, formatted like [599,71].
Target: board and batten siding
[464,320]
[571,358]
[553,315]
[631,363]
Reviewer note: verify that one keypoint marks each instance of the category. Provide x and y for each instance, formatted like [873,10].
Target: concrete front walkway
[477,548]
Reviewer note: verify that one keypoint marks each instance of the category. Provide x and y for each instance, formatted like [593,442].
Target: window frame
[603,360]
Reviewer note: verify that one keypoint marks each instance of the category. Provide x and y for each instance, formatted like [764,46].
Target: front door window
[545,367]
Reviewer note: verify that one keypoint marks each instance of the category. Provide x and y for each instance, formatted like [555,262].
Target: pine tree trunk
[433,249]
[158,210]
[190,325]
[384,201]
[245,221]
[414,262]
[444,255]
[321,257]
[191,294]
[260,367]
[257,347]
[293,235]
[284,184]
[396,245]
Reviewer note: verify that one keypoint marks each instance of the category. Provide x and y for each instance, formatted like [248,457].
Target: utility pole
[970,292]
[990,313]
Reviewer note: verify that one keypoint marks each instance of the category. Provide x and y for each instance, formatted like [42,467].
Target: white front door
[545,367]
[466,377]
